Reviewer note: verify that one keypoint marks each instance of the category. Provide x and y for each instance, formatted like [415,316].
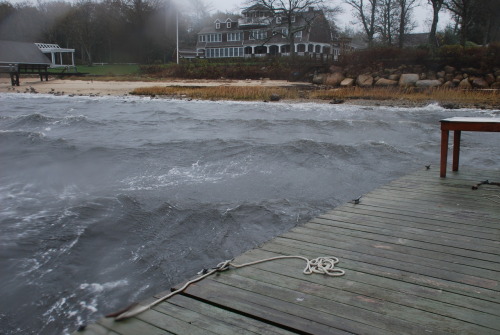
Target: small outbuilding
[60,57]
[18,58]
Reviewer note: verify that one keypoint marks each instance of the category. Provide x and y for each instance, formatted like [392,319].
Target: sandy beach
[90,87]
[120,88]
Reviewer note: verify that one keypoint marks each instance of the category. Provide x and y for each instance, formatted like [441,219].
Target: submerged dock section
[421,256]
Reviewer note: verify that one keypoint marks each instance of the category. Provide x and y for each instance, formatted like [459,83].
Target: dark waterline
[106,201]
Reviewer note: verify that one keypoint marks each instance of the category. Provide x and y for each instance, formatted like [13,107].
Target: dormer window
[217,24]
[228,23]
[278,19]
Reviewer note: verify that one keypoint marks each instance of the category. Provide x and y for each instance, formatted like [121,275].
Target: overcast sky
[423,13]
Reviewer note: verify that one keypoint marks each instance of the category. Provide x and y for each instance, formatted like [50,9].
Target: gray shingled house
[259,32]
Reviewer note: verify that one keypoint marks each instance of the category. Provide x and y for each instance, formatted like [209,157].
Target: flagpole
[177,33]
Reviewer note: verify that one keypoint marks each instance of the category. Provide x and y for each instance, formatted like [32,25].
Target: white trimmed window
[298,34]
[214,37]
[258,34]
[217,25]
[236,36]
[201,38]
[293,18]
[224,52]
[278,19]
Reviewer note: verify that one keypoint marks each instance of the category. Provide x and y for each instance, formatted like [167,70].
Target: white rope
[321,265]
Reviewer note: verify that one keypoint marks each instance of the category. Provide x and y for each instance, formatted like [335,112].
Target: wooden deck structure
[421,255]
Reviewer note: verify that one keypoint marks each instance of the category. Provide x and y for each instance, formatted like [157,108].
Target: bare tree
[485,27]
[405,22]
[436,7]
[463,11]
[387,18]
[365,12]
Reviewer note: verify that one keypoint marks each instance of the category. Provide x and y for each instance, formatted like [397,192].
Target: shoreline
[101,88]
[121,88]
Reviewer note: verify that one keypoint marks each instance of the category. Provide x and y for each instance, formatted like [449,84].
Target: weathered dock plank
[421,255]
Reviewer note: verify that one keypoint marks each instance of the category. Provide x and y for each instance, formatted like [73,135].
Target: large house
[261,32]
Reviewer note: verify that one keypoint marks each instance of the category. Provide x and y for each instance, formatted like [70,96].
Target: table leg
[456,149]
[444,152]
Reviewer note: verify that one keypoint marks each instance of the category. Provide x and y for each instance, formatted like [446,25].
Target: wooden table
[457,124]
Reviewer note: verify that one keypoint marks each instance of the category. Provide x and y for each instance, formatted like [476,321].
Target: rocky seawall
[410,76]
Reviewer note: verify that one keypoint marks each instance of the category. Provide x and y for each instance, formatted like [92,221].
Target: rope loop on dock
[320,265]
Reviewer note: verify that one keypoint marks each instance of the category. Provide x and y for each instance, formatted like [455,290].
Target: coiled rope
[320,265]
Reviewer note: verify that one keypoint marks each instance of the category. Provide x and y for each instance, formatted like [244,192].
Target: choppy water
[105,201]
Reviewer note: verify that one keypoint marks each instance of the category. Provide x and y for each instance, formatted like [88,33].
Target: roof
[256,7]
[414,40]
[46,47]
[21,53]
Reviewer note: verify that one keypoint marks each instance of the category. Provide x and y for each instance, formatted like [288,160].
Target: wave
[12,135]
[30,120]
[265,124]
[40,120]
[18,141]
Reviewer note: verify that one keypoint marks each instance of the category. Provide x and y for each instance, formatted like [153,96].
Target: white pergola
[56,54]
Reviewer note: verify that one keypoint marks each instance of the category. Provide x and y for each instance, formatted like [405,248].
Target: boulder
[335,68]
[464,84]
[431,75]
[441,74]
[428,83]
[394,77]
[390,71]
[382,82]
[450,106]
[418,68]
[449,84]
[408,79]
[347,82]
[319,79]
[275,97]
[364,80]
[334,79]
[490,78]
[480,83]
[449,69]
[470,70]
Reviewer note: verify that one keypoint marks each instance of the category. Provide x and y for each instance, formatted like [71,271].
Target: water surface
[105,201]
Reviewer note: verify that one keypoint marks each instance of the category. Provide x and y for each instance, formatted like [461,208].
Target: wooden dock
[421,255]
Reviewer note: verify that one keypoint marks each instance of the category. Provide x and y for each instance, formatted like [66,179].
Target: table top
[472,119]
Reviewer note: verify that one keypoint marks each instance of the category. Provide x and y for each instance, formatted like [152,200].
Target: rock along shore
[410,76]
